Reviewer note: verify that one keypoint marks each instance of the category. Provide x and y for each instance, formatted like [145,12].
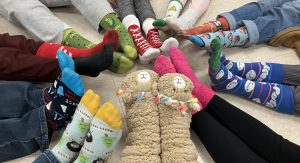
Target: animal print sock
[73,137]
[277,96]
[105,132]
[255,71]
[238,37]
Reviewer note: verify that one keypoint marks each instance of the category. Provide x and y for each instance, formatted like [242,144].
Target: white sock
[174,9]
[147,25]
[131,20]
[168,43]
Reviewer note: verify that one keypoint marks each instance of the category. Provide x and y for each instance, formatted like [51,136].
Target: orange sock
[224,24]
[49,50]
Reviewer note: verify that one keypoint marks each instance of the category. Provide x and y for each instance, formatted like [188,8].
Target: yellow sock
[109,114]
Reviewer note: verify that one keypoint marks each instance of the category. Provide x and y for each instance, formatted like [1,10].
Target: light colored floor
[107,83]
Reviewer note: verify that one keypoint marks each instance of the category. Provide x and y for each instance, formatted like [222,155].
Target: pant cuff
[230,18]
[46,156]
[252,32]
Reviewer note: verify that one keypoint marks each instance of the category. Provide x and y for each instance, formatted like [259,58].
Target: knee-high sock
[276,96]
[201,91]
[238,37]
[174,8]
[255,71]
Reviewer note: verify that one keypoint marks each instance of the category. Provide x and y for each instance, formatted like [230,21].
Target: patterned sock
[146,51]
[276,96]
[152,33]
[74,39]
[111,21]
[163,66]
[105,133]
[65,100]
[255,71]
[94,64]
[49,50]
[121,64]
[73,137]
[174,9]
[167,44]
[181,64]
[212,26]
[238,37]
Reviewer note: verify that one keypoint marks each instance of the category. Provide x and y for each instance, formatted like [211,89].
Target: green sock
[215,58]
[73,137]
[159,23]
[121,64]
[111,21]
[105,133]
[74,39]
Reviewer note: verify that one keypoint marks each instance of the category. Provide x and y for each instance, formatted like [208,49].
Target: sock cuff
[147,25]
[131,20]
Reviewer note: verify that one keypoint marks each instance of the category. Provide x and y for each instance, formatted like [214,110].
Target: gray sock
[291,75]
[143,10]
[125,7]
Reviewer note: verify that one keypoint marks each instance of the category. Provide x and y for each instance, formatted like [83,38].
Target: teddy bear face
[140,81]
[176,86]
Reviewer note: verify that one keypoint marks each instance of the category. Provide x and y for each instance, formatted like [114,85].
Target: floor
[107,83]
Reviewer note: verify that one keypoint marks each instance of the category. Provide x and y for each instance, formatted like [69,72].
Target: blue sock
[65,60]
[277,96]
[255,71]
[236,37]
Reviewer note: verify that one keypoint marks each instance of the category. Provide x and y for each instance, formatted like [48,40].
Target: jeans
[46,157]
[265,18]
[22,120]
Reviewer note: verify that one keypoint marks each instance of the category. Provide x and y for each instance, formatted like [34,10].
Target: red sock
[153,38]
[140,42]
[49,50]
[224,24]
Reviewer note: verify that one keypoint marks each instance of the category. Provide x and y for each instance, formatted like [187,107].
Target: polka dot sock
[74,39]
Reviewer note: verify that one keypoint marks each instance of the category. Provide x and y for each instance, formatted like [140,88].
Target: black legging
[233,136]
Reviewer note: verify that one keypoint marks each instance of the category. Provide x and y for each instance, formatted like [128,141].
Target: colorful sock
[121,64]
[277,96]
[174,9]
[238,37]
[201,91]
[49,50]
[74,39]
[152,33]
[146,51]
[111,21]
[167,44]
[65,61]
[163,66]
[94,64]
[105,133]
[65,100]
[73,137]
[212,26]
[255,71]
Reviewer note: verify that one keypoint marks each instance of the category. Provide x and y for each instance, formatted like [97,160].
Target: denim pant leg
[250,11]
[46,157]
[23,122]
[277,19]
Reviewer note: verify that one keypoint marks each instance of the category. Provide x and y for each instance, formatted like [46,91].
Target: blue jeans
[46,157]
[23,125]
[265,18]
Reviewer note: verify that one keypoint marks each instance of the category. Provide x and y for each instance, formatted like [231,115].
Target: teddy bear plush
[138,92]
[175,102]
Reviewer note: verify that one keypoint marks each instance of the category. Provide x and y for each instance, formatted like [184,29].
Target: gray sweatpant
[292,78]
[35,16]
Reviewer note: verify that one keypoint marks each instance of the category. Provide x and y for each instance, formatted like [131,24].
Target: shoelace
[139,39]
[154,36]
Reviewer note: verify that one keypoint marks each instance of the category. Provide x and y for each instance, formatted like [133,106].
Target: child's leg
[291,75]
[190,17]
[260,138]
[256,71]
[105,133]
[18,65]
[277,96]
[181,64]
[20,42]
[23,121]
[101,15]
[73,137]
[238,37]
[222,144]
